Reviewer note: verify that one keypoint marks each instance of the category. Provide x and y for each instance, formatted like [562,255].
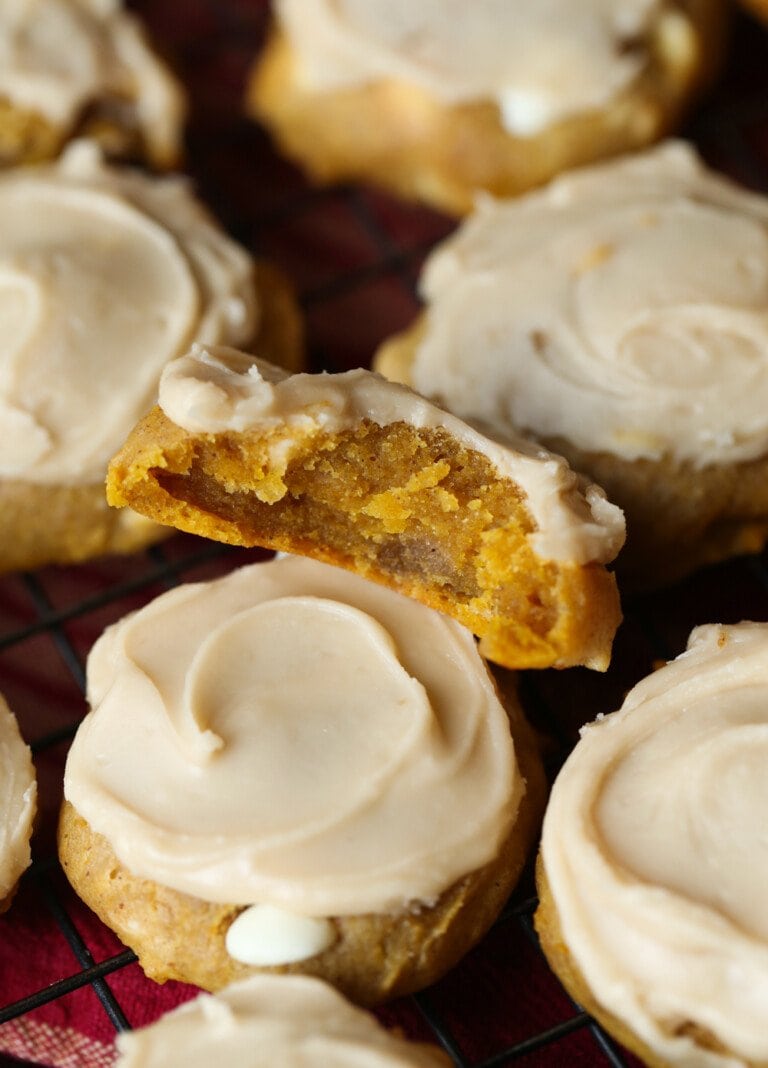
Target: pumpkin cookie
[106,275]
[19,804]
[440,100]
[363,473]
[83,68]
[295,769]
[653,860]
[266,1021]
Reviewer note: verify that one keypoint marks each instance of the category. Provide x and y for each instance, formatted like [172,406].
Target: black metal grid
[354,256]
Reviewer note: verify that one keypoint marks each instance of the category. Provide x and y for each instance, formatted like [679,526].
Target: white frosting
[296,736]
[212,390]
[272,1022]
[59,56]
[656,852]
[105,275]
[624,308]
[540,62]
[264,935]
[18,802]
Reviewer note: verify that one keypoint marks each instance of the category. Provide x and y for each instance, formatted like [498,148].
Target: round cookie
[653,860]
[363,473]
[106,275]
[84,68]
[438,102]
[19,805]
[618,318]
[269,1020]
[300,771]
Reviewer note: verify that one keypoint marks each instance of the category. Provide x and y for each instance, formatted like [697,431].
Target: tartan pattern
[61,1047]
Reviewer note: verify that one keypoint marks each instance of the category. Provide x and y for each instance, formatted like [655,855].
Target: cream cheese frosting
[105,275]
[215,389]
[624,308]
[293,735]
[655,850]
[540,62]
[266,1021]
[57,57]
[18,802]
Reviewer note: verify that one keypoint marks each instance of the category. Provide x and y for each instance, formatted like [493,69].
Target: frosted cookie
[295,768]
[18,804]
[266,1021]
[105,275]
[72,68]
[654,862]
[363,473]
[440,100]
[618,317]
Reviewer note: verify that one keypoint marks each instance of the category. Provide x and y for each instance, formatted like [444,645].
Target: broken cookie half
[366,474]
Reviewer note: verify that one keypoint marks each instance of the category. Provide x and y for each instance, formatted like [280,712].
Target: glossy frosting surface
[656,853]
[622,308]
[105,275]
[211,390]
[267,1021]
[540,62]
[293,735]
[18,801]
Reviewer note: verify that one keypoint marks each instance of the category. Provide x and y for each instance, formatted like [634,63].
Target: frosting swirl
[539,62]
[18,802]
[215,389]
[57,57]
[655,851]
[624,308]
[268,1020]
[105,275]
[292,735]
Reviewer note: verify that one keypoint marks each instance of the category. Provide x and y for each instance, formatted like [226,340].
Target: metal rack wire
[354,256]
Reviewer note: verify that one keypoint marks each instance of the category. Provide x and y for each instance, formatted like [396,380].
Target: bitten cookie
[441,100]
[266,1021]
[618,317]
[18,804]
[653,861]
[292,768]
[105,275]
[83,68]
[363,473]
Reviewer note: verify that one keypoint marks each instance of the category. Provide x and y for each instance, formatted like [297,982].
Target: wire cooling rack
[354,256]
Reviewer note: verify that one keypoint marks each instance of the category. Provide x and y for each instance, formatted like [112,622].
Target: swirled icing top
[271,1020]
[57,57]
[278,736]
[624,308]
[656,852]
[18,802]
[540,62]
[105,275]
[214,389]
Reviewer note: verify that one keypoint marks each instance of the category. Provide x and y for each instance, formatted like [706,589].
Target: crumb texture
[410,508]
